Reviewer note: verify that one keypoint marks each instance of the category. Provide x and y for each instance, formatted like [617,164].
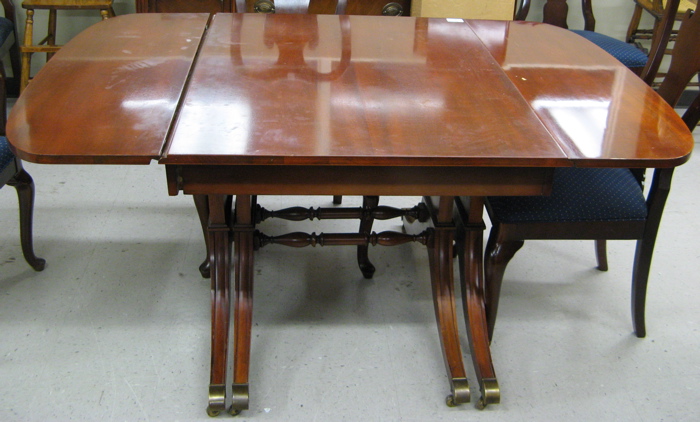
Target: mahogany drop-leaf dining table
[240,105]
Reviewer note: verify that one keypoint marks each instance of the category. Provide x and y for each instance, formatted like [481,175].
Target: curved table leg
[440,252]
[369,203]
[472,282]
[243,237]
[219,255]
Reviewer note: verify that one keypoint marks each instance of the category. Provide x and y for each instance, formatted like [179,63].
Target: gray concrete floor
[117,326]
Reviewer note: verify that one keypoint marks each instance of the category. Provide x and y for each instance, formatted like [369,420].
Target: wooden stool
[48,44]
[656,8]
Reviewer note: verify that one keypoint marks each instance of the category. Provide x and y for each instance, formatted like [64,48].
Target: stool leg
[27,56]
[634,23]
[106,13]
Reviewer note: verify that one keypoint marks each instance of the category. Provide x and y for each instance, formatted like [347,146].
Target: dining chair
[656,9]
[9,46]
[594,203]
[555,12]
[12,174]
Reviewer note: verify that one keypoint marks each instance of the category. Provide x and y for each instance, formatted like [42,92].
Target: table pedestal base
[246,239]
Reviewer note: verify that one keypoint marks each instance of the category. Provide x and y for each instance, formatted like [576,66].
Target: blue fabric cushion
[578,194]
[6,28]
[626,53]
[6,155]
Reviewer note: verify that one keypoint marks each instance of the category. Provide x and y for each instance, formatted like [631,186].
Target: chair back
[555,12]
[8,31]
[3,101]
[685,59]
[660,41]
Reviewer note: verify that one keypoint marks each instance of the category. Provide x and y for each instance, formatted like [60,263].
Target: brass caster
[239,399]
[217,397]
[490,393]
[460,392]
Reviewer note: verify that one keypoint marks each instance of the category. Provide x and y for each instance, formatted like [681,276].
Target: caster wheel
[481,404]
[213,413]
[234,412]
[450,401]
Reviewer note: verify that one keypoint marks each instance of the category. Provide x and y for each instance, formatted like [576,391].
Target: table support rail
[367,213]
[377,212]
[300,239]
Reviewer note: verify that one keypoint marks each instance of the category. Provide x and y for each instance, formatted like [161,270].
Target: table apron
[357,180]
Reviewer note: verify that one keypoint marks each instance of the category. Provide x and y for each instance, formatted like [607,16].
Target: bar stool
[48,44]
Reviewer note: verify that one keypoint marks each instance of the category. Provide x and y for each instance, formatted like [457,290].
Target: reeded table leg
[220,253]
[243,234]
[472,282]
[440,252]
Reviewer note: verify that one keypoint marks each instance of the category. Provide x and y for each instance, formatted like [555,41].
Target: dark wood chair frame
[506,239]
[555,12]
[14,175]
[12,84]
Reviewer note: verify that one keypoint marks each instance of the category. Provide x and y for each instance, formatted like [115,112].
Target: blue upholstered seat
[578,194]
[6,155]
[627,54]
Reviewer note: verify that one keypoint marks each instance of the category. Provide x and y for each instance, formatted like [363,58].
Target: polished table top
[319,89]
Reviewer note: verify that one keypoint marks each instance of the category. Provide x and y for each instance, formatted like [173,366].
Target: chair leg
[24,184]
[27,55]
[497,255]
[601,254]
[369,203]
[337,199]
[201,202]
[640,279]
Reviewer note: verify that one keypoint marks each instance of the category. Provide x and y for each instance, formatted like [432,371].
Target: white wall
[612,18]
